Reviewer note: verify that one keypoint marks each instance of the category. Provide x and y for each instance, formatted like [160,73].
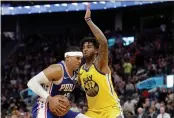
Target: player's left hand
[88,12]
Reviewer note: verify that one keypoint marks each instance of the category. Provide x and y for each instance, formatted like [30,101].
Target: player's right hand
[55,104]
[88,12]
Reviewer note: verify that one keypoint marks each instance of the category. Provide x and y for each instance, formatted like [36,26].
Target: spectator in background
[141,113]
[152,113]
[147,102]
[129,89]
[170,109]
[129,106]
[163,95]
[163,114]
[170,95]
[127,66]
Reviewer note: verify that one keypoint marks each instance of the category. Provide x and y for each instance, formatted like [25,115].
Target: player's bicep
[53,72]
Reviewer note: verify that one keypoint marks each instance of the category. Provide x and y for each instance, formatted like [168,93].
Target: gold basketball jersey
[99,89]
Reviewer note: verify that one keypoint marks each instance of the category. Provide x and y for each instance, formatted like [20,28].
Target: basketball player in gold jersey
[95,75]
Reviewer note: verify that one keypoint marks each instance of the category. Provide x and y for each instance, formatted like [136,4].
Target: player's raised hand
[88,12]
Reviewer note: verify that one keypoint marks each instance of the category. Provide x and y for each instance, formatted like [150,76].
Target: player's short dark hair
[92,40]
[72,48]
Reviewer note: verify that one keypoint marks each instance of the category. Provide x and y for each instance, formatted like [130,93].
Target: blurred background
[141,51]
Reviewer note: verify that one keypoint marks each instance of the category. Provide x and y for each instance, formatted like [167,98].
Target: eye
[84,47]
[78,58]
[89,46]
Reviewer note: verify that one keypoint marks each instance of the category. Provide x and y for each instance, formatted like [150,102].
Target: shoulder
[55,67]
[105,69]
[81,68]
[54,71]
[168,114]
[130,64]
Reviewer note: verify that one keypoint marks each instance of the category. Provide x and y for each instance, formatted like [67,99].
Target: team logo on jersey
[67,87]
[91,87]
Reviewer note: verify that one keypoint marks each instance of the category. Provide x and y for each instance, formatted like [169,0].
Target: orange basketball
[66,103]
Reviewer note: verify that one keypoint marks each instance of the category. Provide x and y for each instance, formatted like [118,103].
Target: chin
[85,56]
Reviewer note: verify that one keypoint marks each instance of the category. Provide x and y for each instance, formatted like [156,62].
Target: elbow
[29,84]
[104,41]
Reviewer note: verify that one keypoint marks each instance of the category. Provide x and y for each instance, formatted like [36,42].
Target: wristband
[87,19]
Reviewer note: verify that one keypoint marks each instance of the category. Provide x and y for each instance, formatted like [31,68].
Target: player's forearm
[97,32]
[35,85]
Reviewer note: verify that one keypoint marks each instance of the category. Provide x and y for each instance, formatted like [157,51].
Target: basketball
[66,103]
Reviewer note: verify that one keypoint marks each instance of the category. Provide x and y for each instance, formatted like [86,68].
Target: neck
[69,68]
[89,61]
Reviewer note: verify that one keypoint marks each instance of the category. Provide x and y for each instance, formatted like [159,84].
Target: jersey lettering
[99,89]
[67,95]
[66,87]
[91,87]
[89,78]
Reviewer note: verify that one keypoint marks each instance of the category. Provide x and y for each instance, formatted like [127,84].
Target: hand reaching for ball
[58,105]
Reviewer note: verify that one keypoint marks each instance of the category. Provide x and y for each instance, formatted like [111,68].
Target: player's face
[75,62]
[88,50]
